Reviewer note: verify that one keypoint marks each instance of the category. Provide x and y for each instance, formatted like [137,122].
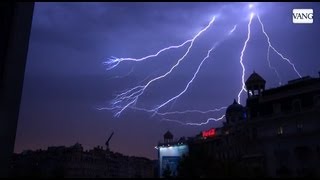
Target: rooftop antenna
[107,143]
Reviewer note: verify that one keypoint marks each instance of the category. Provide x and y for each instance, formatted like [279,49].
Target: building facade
[275,135]
[170,152]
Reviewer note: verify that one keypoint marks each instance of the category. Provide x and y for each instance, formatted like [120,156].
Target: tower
[168,137]
[255,85]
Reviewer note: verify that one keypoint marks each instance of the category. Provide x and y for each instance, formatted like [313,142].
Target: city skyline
[65,80]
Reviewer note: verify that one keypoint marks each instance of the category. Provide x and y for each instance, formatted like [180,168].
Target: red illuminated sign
[209,133]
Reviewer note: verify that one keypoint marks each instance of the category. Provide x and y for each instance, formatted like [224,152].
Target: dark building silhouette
[275,135]
[15,23]
[235,113]
[255,85]
[167,137]
[74,162]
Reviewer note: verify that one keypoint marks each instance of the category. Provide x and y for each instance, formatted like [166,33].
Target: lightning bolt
[196,72]
[241,58]
[271,67]
[175,112]
[232,30]
[179,112]
[145,79]
[193,77]
[128,98]
[270,46]
[185,112]
[114,61]
[107,108]
[192,111]
[131,96]
[194,124]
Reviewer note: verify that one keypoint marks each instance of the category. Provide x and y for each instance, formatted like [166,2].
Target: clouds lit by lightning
[241,58]
[270,46]
[131,96]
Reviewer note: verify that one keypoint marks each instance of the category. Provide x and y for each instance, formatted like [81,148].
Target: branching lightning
[194,124]
[270,46]
[241,58]
[187,86]
[176,112]
[271,67]
[131,96]
[192,111]
[179,112]
[196,72]
[114,61]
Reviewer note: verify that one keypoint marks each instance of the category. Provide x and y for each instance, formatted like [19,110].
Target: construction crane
[107,143]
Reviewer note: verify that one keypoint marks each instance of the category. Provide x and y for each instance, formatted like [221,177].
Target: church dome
[234,107]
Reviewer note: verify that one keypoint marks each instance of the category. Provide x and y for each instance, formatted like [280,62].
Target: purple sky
[65,79]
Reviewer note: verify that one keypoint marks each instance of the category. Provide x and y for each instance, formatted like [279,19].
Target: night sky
[66,80]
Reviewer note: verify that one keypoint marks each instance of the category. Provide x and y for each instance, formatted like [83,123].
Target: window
[299,126]
[296,106]
[250,92]
[280,130]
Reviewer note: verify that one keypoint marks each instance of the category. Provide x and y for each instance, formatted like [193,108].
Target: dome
[235,112]
[234,107]
[168,135]
[255,78]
